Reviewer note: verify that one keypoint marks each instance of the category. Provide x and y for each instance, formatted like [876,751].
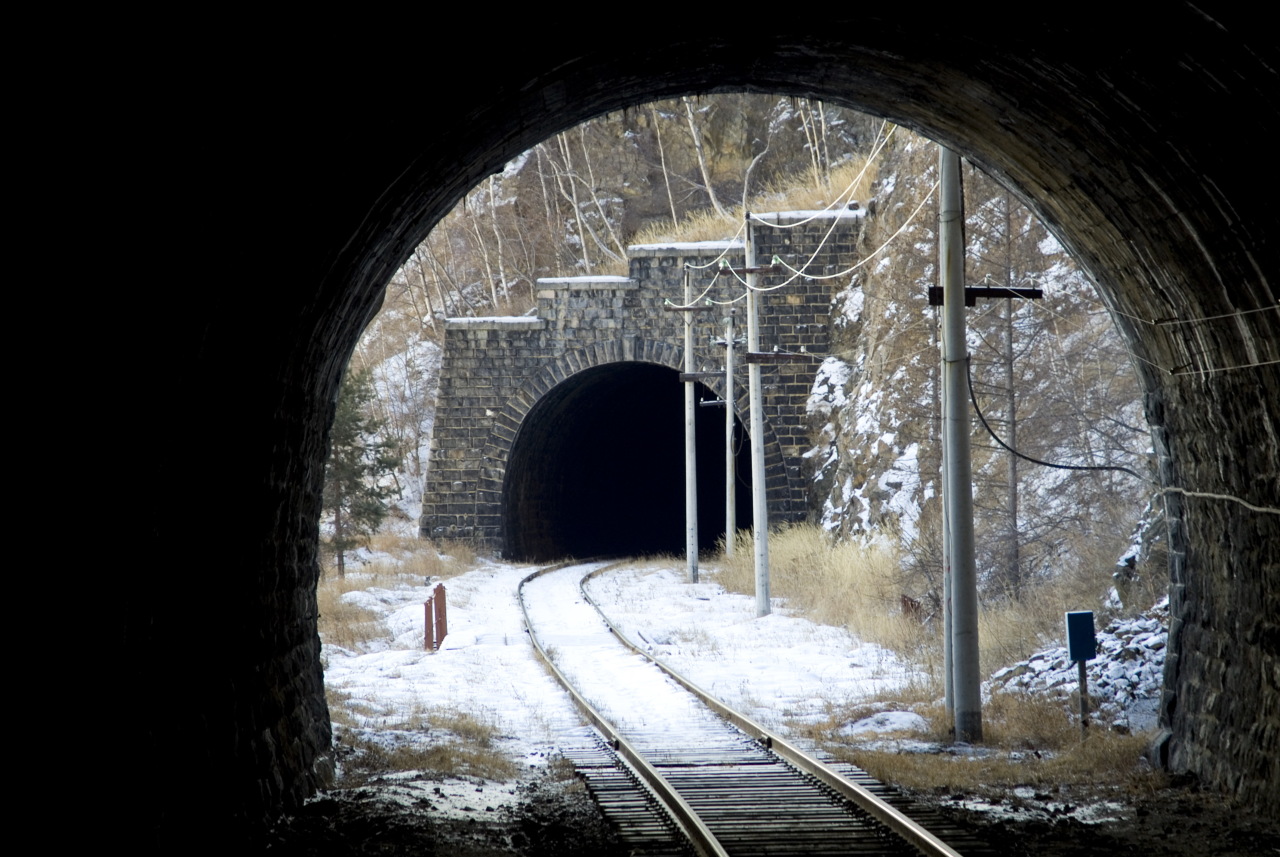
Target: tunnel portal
[587,386]
[598,468]
[1112,136]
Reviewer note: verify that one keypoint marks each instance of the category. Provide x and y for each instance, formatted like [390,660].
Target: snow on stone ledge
[691,247]
[585,282]
[814,214]
[495,322]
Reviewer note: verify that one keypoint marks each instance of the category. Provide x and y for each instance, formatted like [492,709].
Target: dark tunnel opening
[597,468]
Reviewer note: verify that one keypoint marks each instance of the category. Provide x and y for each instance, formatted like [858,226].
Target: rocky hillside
[1050,376]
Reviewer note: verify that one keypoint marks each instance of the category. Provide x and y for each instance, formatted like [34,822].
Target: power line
[865,260]
[1161,489]
[1163,322]
[836,203]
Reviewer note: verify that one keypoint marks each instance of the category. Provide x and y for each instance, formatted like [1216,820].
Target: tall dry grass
[398,561]
[859,586]
[851,585]
[850,179]
[342,623]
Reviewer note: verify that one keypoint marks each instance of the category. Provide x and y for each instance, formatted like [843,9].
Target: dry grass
[342,623]
[447,759]
[414,557]
[859,587]
[1106,759]
[443,742]
[849,584]
[789,194]
[1035,742]
[403,561]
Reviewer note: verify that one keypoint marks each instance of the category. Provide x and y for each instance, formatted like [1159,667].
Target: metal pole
[959,481]
[759,500]
[730,461]
[690,442]
[948,658]
[1084,699]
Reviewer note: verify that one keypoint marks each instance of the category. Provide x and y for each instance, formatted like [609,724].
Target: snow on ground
[774,669]
[1127,676]
[485,667]
[779,669]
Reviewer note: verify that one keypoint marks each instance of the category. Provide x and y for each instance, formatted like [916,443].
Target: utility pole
[690,442]
[730,461]
[759,499]
[948,657]
[958,482]
[689,378]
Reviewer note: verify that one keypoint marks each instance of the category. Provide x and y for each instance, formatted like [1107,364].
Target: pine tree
[355,479]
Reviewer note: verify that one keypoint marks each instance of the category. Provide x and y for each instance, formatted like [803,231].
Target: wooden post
[429,631]
[435,619]
[442,622]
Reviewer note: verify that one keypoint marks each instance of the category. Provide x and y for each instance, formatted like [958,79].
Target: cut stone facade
[495,370]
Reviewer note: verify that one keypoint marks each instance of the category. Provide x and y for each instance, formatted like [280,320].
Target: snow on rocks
[1125,680]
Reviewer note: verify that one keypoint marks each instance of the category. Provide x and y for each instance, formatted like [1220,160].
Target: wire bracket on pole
[972,293]
[752,357]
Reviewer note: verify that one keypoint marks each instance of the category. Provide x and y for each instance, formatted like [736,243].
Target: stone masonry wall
[494,370]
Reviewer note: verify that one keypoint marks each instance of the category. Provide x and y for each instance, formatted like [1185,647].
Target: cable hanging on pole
[1160,489]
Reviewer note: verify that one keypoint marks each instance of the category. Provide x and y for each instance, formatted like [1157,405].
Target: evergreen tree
[355,478]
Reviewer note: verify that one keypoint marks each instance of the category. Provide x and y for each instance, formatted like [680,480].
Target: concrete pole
[948,659]
[959,480]
[759,499]
[690,442]
[730,461]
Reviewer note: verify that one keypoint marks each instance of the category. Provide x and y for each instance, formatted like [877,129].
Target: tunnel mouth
[598,468]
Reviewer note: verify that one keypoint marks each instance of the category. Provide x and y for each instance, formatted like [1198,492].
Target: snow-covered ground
[1126,678]
[781,670]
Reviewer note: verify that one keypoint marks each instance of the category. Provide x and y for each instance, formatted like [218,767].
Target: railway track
[677,770]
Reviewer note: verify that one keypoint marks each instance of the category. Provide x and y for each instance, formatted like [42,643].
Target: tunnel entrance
[597,468]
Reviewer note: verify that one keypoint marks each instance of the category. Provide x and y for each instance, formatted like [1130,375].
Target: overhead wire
[1173,373]
[741,228]
[1161,489]
[1162,322]
[847,271]
[880,143]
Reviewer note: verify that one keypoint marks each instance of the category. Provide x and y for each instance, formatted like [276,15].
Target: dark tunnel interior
[597,468]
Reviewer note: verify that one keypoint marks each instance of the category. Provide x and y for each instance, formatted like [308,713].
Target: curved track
[729,785]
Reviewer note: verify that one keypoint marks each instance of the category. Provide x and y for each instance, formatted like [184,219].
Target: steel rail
[693,827]
[873,805]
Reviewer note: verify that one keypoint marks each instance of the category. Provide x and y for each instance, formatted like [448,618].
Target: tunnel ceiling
[1137,138]
[598,467]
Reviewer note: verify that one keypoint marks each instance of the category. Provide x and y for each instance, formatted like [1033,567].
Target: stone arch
[1112,136]
[512,417]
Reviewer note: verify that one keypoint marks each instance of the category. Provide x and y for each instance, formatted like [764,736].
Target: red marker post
[435,620]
